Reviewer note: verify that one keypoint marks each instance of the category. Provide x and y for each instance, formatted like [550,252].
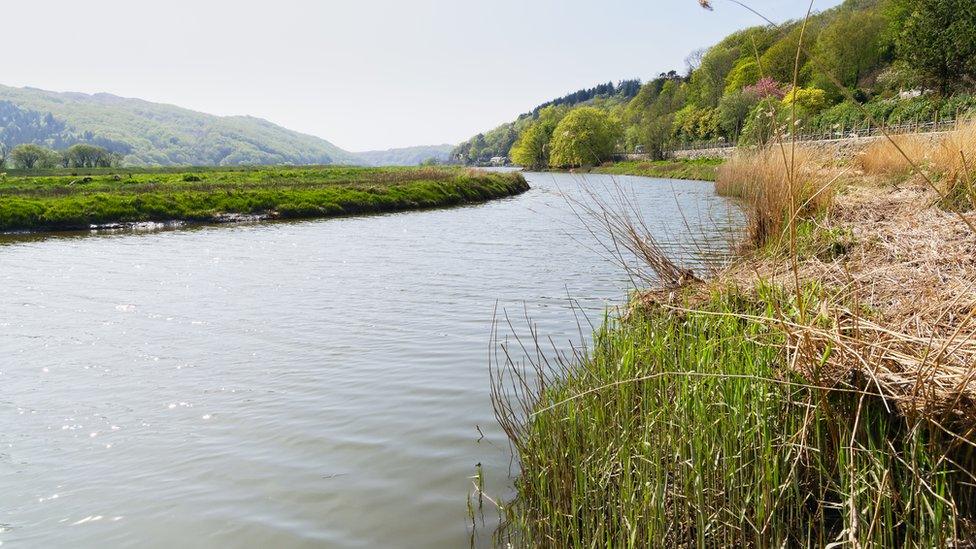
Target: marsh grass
[778,188]
[702,169]
[65,202]
[687,428]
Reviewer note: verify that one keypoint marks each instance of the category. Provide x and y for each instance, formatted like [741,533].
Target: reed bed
[779,185]
[949,157]
[692,427]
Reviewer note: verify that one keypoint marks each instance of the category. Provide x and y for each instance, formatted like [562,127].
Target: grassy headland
[704,169]
[817,392]
[58,201]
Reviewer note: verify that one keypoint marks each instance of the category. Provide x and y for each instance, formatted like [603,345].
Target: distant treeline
[888,61]
[498,142]
[626,89]
[35,157]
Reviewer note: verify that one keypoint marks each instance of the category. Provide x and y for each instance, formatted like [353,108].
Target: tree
[733,111]
[938,40]
[586,136]
[851,46]
[28,156]
[532,147]
[3,154]
[88,156]
[745,73]
[779,61]
[708,81]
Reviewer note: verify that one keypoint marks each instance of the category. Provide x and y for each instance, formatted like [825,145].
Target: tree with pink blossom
[766,87]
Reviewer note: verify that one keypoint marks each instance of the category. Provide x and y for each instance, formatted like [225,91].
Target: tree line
[35,157]
[897,60]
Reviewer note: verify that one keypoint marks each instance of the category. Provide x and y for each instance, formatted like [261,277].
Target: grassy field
[705,169]
[83,198]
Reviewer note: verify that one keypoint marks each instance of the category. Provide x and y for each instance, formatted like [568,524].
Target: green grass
[685,429]
[704,169]
[59,201]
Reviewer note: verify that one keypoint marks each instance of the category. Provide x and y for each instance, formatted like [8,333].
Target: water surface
[282,385]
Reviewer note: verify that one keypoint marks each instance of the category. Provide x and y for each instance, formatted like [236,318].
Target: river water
[310,384]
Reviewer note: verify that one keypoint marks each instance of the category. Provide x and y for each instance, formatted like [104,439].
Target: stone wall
[845,149]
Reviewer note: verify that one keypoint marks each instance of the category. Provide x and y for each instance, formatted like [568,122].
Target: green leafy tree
[28,156]
[937,38]
[763,122]
[745,73]
[851,46]
[585,137]
[532,147]
[88,156]
[708,82]
[809,101]
[779,61]
[733,111]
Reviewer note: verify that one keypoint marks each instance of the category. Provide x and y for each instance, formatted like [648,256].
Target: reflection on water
[290,384]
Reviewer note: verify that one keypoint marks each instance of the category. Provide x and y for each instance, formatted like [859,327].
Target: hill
[153,134]
[865,62]
[409,156]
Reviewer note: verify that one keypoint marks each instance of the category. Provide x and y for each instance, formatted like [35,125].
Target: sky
[363,74]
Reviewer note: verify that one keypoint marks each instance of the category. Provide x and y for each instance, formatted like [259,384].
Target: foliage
[28,157]
[625,89]
[938,40]
[809,101]
[763,122]
[733,111]
[850,47]
[585,137]
[745,73]
[533,147]
[89,156]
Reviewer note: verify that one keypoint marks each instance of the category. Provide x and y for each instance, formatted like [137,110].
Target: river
[303,384]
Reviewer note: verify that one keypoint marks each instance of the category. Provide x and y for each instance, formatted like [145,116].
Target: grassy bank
[818,392]
[705,169]
[59,201]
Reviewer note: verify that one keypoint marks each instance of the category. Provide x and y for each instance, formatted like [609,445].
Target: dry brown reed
[888,158]
[948,157]
[779,186]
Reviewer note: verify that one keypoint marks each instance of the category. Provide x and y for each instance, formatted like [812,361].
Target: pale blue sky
[365,74]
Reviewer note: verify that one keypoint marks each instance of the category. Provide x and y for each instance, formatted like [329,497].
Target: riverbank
[55,202]
[703,169]
[817,391]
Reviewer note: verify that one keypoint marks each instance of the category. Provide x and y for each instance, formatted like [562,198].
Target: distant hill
[409,156]
[153,134]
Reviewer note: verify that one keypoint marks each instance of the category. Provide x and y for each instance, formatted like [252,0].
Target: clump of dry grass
[955,158]
[780,186]
[888,157]
[951,158]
